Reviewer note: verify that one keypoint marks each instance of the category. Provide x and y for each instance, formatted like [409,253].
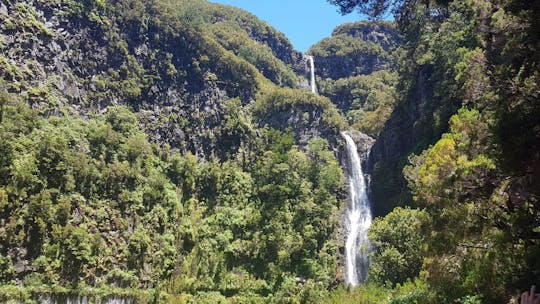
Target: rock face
[305,121]
[382,33]
[356,49]
[363,142]
[76,59]
[411,128]
[305,114]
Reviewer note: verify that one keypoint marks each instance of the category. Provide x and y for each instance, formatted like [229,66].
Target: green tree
[398,246]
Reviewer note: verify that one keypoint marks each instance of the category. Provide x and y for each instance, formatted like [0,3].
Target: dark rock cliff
[305,114]
[418,121]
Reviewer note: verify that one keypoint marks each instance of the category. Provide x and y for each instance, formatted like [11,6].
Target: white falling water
[63,300]
[118,300]
[83,300]
[358,218]
[312,74]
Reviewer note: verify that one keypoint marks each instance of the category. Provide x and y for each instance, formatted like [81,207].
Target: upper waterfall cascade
[358,218]
[312,83]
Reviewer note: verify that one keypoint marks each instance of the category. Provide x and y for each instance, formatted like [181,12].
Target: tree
[372,8]
[379,8]
[398,243]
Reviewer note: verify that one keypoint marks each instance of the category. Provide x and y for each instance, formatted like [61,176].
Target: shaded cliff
[410,129]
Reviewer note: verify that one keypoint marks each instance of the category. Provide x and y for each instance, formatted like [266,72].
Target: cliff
[354,49]
[177,66]
[355,69]
[410,129]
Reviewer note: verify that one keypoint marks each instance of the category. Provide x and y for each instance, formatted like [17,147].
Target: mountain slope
[173,63]
[161,150]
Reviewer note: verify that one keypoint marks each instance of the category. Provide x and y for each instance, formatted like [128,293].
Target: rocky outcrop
[305,121]
[356,49]
[363,142]
[383,33]
[305,114]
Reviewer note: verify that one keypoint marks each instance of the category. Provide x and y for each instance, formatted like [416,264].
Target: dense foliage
[397,241]
[469,83]
[83,197]
[140,157]
[165,151]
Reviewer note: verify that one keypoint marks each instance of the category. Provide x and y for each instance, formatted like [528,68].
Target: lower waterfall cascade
[358,218]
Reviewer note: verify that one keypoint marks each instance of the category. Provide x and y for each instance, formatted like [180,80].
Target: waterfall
[59,299]
[63,300]
[358,218]
[312,74]
[118,300]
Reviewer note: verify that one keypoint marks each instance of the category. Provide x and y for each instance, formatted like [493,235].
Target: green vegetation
[355,69]
[84,197]
[409,292]
[162,151]
[232,37]
[398,254]
[144,172]
[367,99]
[342,55]
[472,155]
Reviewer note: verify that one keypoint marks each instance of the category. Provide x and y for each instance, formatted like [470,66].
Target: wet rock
[363,143]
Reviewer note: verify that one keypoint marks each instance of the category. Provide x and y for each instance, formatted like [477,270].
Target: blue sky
[304,22]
